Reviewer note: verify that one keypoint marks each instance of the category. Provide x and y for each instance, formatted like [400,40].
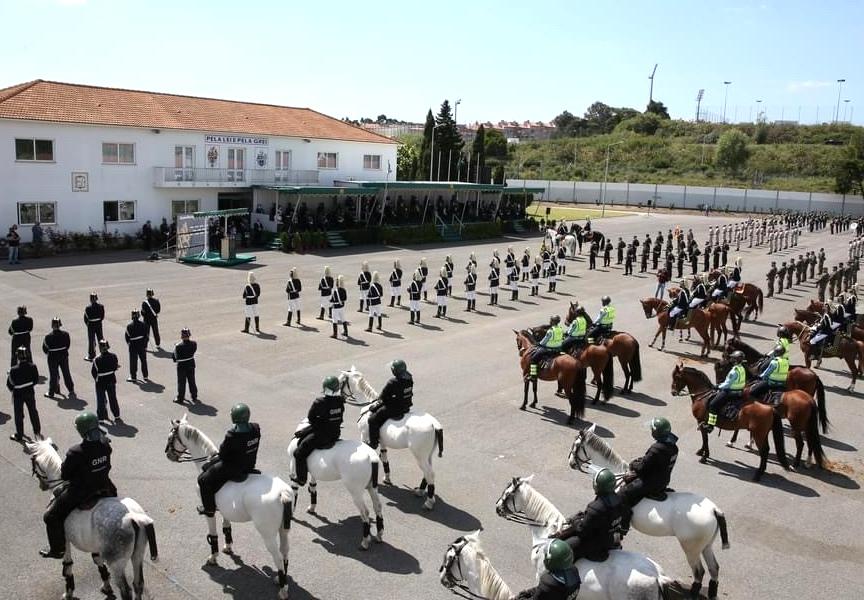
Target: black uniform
[655,256]
[325,427]
[772,274]
[21,381]
[599,529]
[236,459]
[364,281]
[20,331]
[822,282]
[136,338]
[56,346]
[104,373]
[592,257]
[94,314]
[694,259]
[396,282]
[395,400]
[629,260]
[560,585]
[653,471]
[293,288]
[150,310]
[184,356]
[607,253]
[781,278]
[86,470]
[325,289]
[621,246]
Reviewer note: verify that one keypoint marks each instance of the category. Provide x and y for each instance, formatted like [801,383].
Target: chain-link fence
[720,199]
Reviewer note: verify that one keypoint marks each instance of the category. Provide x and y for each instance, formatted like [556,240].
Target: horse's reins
[696,396]
[517,516]
[181,456]
[454,582]
[42,476]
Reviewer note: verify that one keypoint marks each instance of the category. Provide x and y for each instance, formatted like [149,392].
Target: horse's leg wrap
[430,491]
[712,589]
[313,495]
[694,589]
[367,529]
[229,538]
[213,540]
[423,484]
[104,574]
[69,577]
[379,524]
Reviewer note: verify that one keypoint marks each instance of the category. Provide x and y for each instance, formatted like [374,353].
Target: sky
[507,59]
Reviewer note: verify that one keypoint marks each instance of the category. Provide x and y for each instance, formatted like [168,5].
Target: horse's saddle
[660,496]
[732,408]
[773,397]
[546,363]
[242,476]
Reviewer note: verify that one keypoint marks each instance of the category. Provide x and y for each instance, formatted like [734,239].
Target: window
[34,150]
[283,165]
[183,207]
[118,210]
[328,160]
[118,154]
[372,162]
[184,163]
[37,212]
[236,164]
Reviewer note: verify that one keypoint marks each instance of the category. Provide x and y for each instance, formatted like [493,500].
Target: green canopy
[229,212]
[311,190]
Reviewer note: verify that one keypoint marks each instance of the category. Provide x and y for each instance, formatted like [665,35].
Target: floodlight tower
[699,96]
[651,89]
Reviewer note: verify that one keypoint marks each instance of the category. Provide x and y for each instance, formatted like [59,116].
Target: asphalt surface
[793,535]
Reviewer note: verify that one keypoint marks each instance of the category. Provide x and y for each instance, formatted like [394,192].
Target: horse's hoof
[379,537]
[105,589]
[227,550]
[364,545]
[748,446]
[387,480]
[311,510]
[419,493]
[429,504]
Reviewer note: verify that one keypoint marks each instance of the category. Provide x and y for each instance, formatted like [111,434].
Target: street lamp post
[840,83]
[456,110]
[725,98]
[758,109]
[606,178]
[845,106]
[432,150]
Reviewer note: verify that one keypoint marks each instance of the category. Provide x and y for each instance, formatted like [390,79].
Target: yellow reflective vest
[557,337]
[780,372]
[578,328]
[784,343]
[608,316]
[740,379]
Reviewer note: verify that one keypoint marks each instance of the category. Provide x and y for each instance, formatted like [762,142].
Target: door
[236,164]
[184,163]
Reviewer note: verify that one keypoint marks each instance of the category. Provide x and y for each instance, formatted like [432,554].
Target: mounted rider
[325,427]
[604,322]
[731,388]
[721,287]
[850,309]
[234,461]
[560,581]
[784,342]
[576,332]
[549,346]
[601,526]
[735,277]
[773,377]
[649,475]
[85,477]
[698,295]
[679,307]
[394,401]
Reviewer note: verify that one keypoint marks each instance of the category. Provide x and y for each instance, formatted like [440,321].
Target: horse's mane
[600,446]
[196,436]
[538,507]
[527,336]
[747,349]
[46,455]
[701,375]
[366,388]
[491,584]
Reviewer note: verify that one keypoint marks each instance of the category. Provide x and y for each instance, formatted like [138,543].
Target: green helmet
[660,427]
[398,366]
[559,556]
[240,413]
[604,482]
[330,383]
[86,422]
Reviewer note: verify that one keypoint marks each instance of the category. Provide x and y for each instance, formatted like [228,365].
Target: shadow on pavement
[70,402]
[266,336]
[403,498]
[343,538]
[201,409]
[615,409]
[151,387]
[122,430]
[837,445]
[769,479]
[160,353]
[246,581]
[455,320]
[643,398]
[4,418]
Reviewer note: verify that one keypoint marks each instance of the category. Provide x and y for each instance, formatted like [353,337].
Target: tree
[602,118]
[448,145]
[849,169]
[732,151]
[658,108]
[478,155]
[425,157]
[408,159]
[496,144]
[644,124]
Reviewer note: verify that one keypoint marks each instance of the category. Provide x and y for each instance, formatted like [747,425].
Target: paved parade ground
[794,535]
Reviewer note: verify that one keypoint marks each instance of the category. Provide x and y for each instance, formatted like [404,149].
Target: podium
[228,249]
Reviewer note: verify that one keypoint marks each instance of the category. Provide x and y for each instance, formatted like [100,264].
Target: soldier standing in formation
[94,314]
[150,310]
[607,254]
[21,381]
[592,256]
[448,268]
[20,329]
[325,291]
[772,274]
[526,264]
[338,298]
[424,273]
[470,289]
[56,347]
[364,281]
[781,277]
[136,339]
[494,279]
[104,371]
[821,259]
[535,276]
[629,260]
[396,283]
[184,356]
[822,283]
[441,293]
[251,293]
[789,272]
[621,245]
[293,289]
[415,289]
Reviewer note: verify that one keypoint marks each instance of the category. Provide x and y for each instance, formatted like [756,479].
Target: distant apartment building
[514,131]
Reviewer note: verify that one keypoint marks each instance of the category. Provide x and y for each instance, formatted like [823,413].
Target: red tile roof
[73,103]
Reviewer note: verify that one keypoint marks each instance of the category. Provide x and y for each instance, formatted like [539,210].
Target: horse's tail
[779,441]
[721,525]
[151,541]
[577,395]
[759,298]
[439,441]
[138,547]
[636,364]
[287,508]
[820,401]
[608,378]
[814,442]
[373,479]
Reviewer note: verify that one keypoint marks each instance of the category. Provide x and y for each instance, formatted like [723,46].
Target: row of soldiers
[842,278]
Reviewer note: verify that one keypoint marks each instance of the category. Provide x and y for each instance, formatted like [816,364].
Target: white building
[76,157]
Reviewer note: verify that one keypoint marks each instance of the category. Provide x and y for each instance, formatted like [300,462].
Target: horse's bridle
[180,456]
[40,474]
[694,396]
[454,582]
[574,452]
[509,512]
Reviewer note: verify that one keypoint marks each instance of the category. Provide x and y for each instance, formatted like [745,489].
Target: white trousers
[325,301]
[339,315]
[395,291]
[472,295]
[294,305]
[374,310]
[414,305]
[250,310]
[442,300]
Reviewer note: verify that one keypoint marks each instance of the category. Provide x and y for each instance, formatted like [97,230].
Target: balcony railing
[205,177]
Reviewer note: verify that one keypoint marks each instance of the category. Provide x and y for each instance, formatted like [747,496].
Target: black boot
[370,325]
[335,330]
[444,312]
[287,322]
[246,325]
[468,309]
[379,323]
[512,295]
[298,317]
[425,299]
[345,329]
[398,300]
[392,300]
[257,325]
[412,318]
[321,315]
[360,310]
[438,313]
[330,313]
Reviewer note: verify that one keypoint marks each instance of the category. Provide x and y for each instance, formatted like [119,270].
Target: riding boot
[345,329]
[246,325]
[298,317]
[392,300]
[257,324]
[335,330]
[360,310]
[370,324]
[330,313]
[412,318]
[398,300]
[438,313]
[444,312]
[468,308]
[512,295]
[321,315]
[425,298]
[379,323]
[288,320]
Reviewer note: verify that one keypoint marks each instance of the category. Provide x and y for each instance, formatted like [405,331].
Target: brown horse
[622,346]
[566,370]
[848,349]
[814,312]
[699,319]
[592,356]
[746,299]
[796,406]
[758,419]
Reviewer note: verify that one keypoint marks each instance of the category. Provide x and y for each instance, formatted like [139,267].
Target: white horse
[111,530]
[265,500]
[354,464]
[467,568]
[623,575]
[570,244]
[419,432]
[691,518]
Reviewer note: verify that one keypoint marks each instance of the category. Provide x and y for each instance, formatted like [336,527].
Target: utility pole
[840,83]
[725,98]
[699,96]
[651,89]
